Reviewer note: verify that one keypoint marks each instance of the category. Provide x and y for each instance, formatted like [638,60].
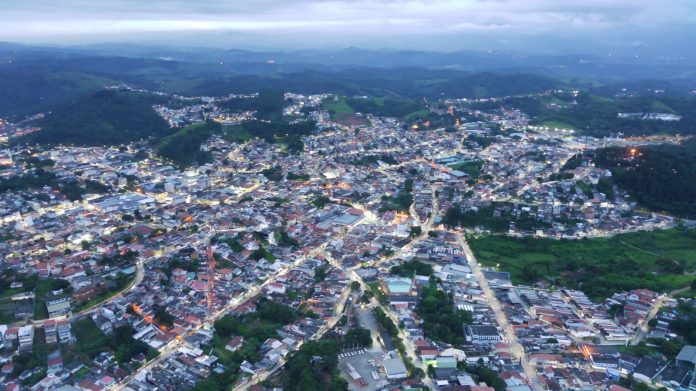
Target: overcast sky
[447,24]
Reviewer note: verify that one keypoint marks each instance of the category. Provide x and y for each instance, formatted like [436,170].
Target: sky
[434,24]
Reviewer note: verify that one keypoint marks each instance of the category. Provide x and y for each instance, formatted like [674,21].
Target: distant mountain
[25,92]
[106,117]
[396,83]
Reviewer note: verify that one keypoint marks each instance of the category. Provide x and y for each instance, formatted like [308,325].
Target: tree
[415,230]
[164,318]
[440,319]
[355,286]
[359,336]
[319,274]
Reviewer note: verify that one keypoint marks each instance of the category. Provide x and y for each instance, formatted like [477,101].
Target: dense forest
[661,178]
[598,116]
[25,92]
[400,83]
[107,117]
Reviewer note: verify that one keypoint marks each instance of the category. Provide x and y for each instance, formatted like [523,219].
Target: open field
[338,107]
[660,260]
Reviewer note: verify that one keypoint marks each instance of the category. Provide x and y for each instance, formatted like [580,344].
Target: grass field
[557,124]
[600,266]
[340,107]
[236,134]
[42,288]
[473,168]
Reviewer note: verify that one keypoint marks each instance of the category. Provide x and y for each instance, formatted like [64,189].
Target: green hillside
[661,178]
[104,118]
[184,146]
[23,93]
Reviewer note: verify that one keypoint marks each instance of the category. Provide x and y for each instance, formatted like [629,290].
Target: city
[160,277]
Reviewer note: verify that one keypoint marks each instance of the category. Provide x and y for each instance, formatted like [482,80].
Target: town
[350,259]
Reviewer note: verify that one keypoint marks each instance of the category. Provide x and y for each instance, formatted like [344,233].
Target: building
[234,344]
[482,334]
[58,306]
[51,331]
[395,369]
[64,330]
[398,286]
[687,356]
[25,336]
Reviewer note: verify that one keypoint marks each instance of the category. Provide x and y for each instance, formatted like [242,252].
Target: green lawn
[82,372]
[339,107]
[473,168]
[557,124]
[42,288]
[599,266]
[10,292]
[236,134]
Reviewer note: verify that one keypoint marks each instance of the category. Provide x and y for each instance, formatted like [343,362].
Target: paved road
[515,347]
[260,377]
[176,343]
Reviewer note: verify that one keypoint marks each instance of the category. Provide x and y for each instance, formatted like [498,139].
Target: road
[515,347]
[644,329]
[173,345]
[330,324]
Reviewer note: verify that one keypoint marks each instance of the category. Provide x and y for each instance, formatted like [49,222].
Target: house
[445,376]
[677,377]
[646,370]
[3,330]
[235,344]
[103,323]
[54,362]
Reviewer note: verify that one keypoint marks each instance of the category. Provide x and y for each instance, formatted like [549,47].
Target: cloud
[44,20]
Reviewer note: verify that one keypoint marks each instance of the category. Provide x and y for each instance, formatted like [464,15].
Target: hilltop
[106,117]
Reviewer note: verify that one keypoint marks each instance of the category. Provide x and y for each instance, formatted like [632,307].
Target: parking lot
[366,362]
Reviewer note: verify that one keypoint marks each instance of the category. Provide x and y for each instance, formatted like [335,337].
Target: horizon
[587,26]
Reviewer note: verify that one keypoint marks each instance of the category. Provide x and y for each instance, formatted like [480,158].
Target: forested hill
[661,178]
[413,83]
[105,117]
[28,92]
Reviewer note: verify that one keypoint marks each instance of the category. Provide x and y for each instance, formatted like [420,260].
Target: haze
[600,26]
